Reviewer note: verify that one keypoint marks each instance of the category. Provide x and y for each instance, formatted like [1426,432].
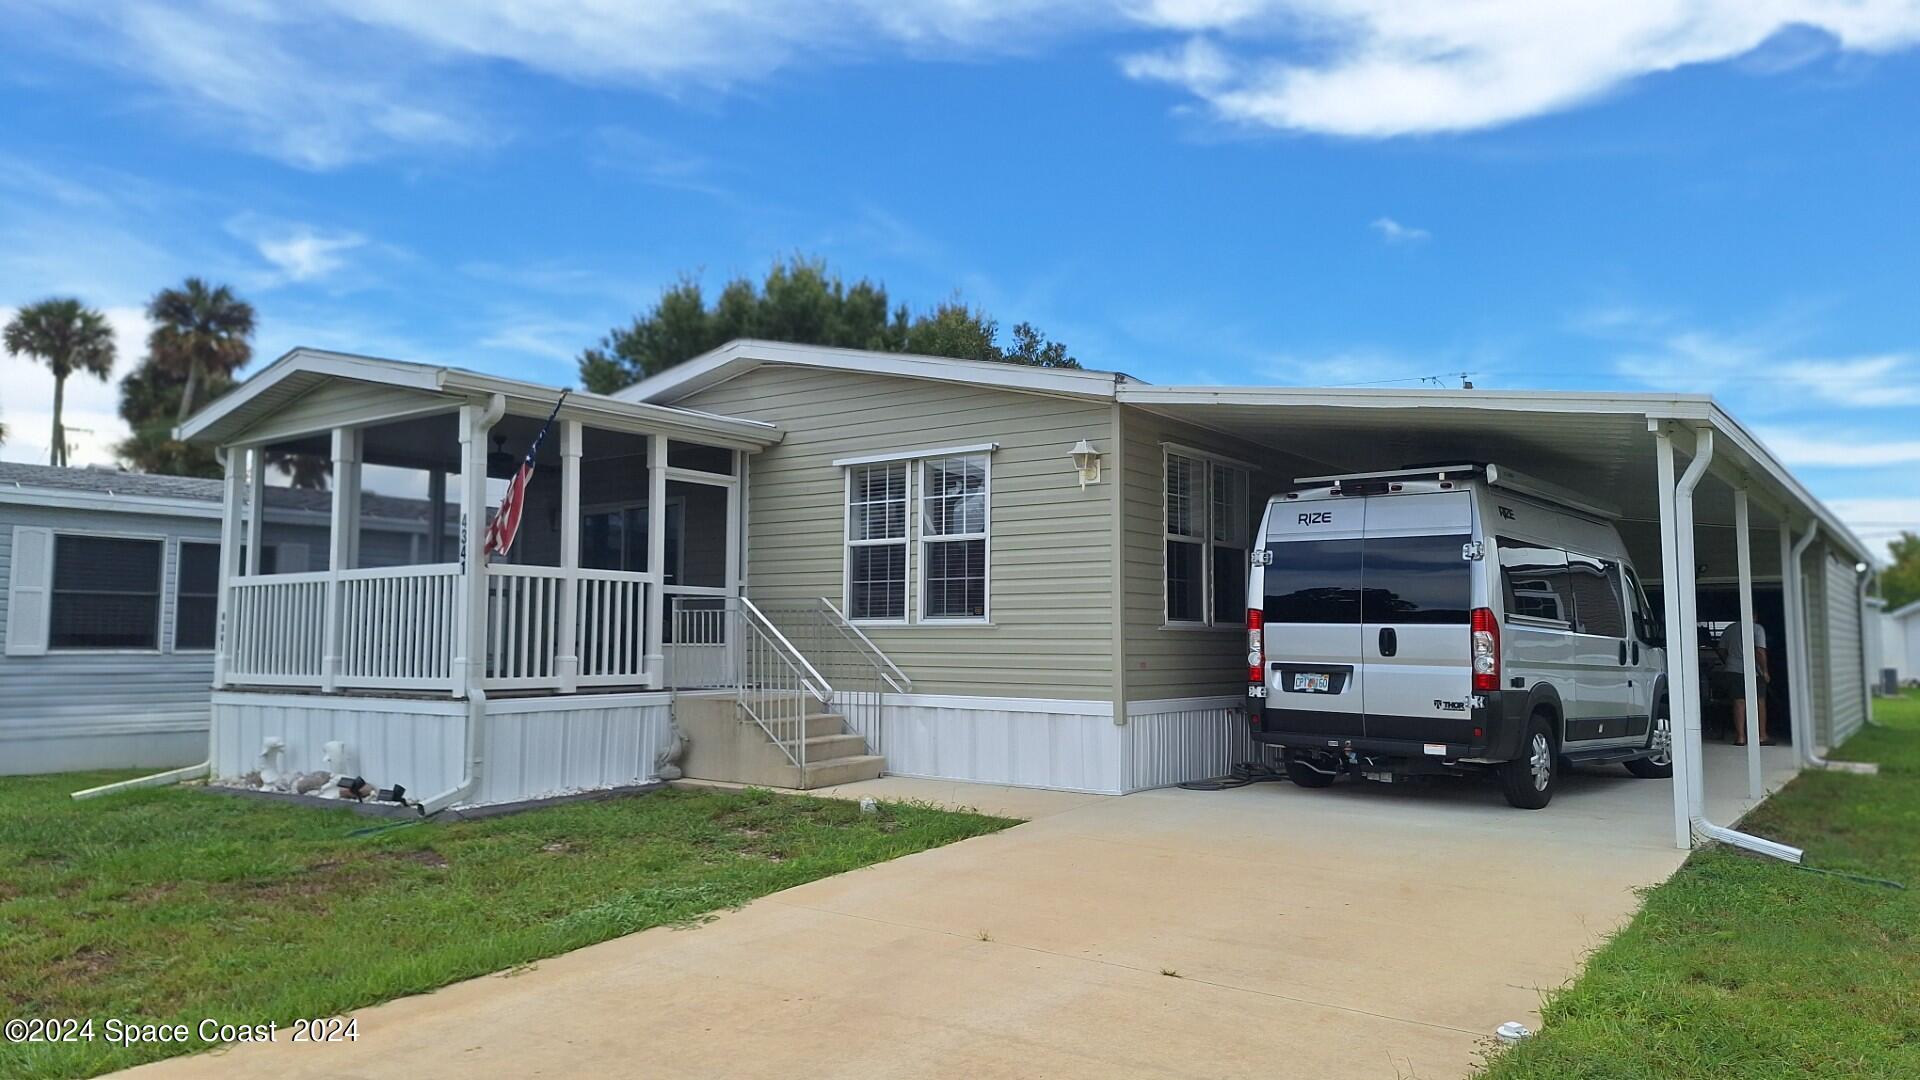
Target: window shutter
[29,587]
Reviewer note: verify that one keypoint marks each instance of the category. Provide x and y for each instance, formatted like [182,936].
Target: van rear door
[1312,615]
[1416,609]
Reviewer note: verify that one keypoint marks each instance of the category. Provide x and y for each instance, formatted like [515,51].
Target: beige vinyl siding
[1050,574]
[341,402]
[1179,662]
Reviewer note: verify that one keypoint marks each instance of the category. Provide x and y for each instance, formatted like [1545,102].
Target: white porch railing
[278,628]
[399,627]
[610,609]
[523,627]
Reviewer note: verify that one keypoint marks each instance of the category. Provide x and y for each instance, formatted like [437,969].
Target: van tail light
[1486,650]
[1256,647]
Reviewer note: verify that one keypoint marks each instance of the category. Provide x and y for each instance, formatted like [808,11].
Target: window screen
[196,596]
[1595,585]
[1313,581]
[953,533]
[106,593]
[877,541]
[1415,579]
[1534,578]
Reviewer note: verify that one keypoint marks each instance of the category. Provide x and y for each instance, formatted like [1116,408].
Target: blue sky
[1708,197]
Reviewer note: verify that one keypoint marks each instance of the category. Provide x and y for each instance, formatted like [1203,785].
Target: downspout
[476,662]
[189,772]
[1799,651]
[1866,662]
[1690,672]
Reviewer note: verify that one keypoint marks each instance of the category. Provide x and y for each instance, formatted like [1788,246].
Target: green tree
[800,301]
[1900,583]
[200,332]
[70,338]
[150,398]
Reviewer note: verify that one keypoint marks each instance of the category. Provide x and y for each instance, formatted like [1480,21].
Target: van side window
[1534,579]
[1596,599]
[1647,627]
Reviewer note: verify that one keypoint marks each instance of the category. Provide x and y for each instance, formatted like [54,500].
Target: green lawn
[176,905]
[1743,967]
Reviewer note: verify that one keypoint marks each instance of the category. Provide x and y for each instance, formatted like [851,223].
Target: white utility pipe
[1683,614]
[1866,662]
[476,719]
[171,776]
[1756,775]
[1801,650]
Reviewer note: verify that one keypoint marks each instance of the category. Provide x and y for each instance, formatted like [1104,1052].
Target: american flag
[505,525]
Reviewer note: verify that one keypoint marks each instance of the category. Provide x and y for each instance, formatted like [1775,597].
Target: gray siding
[1167,662]
[1050,565]
[52,706]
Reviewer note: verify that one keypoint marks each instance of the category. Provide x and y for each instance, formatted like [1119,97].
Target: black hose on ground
[1243,774]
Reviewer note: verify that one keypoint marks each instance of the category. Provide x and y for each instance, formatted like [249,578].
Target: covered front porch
[356,580]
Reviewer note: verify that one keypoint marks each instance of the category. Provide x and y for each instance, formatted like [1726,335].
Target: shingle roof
[109,482]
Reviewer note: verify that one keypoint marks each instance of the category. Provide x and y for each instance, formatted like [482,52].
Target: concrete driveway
[1362,931]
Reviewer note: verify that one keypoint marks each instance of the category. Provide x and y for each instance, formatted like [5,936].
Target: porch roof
[302,370]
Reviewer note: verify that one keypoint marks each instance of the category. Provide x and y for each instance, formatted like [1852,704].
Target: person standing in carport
[1734,649]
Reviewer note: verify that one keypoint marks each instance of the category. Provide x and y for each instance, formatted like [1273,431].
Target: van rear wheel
[1660,741]
[1528,780]
[1306,774]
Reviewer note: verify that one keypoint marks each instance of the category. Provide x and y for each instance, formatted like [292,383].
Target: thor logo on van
[1324,517]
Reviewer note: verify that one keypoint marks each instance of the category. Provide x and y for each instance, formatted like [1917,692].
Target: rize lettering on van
[1323,517]
[1506,512]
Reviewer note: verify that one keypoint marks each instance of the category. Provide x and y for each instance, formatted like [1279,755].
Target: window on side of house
[106,593]
[1206,541]
[953,537]
[877,542]
[196,596]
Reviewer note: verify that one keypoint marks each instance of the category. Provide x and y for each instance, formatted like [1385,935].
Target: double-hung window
[877,541]
[1207,528]
[953,537]
[106,593]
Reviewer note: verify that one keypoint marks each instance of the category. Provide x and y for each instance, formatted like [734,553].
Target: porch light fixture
[1086,460]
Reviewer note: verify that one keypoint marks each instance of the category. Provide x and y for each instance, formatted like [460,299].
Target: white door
[1416,589]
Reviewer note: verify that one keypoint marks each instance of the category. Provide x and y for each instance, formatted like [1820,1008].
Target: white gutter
[1798,652]
[1866,575]
[1683,614]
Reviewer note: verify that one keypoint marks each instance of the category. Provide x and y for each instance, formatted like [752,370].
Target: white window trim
[848,543]
[1203,500]
[173,628]
[915,455]
[985,534]
[162,640]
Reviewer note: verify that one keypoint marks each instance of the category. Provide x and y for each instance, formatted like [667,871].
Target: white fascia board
[737,357]
[1905,610]
[732,432]
[157,505]
[310,361]
[1694,406]
[1789,485]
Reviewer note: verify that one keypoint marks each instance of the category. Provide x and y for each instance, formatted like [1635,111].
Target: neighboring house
[935,567]
[108,604]
[1900,643]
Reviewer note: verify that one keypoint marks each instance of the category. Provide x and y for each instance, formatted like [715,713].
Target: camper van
[1446,620]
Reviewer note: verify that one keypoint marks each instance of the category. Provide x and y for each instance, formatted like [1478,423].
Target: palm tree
[199,331]
[68,337]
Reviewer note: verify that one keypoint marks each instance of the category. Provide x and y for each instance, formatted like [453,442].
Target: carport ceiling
[1598,444]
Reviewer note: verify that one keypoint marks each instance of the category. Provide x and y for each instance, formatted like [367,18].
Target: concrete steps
[726,745]
[844,770]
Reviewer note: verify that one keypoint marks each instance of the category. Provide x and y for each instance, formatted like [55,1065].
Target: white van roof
[1495,475]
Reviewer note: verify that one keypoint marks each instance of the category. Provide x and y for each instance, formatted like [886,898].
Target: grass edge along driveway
[1741,966]
[173,905]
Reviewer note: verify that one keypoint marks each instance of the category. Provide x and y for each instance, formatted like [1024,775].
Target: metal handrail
[820,687]
[897,679]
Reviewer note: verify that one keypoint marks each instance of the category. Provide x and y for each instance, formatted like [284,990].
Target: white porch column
[1756,779]
[470,635]
[656,560]
[342,547]
[567,663]
[1682,671]
[232,505]
[256,508]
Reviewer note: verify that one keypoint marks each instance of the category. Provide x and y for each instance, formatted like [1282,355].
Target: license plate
[1316,682]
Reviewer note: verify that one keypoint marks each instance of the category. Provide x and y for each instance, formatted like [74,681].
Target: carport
[1701,503]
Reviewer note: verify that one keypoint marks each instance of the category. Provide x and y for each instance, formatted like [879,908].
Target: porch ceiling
[422,387]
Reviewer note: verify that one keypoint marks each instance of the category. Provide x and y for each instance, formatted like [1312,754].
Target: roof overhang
[226,421]
[1582,440]
[112,502]
[736,358]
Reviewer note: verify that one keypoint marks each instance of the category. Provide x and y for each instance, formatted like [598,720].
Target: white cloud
[1393,232]
[298,252]
[1797,448]
[90,411]
[329,82]
[1878,520]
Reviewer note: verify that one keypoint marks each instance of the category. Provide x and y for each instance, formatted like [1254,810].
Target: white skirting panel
[29,754]
[546,746]
[1176,740]
[532,747]
[1026,742]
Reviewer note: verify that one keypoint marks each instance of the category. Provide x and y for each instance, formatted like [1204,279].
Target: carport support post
[1673,580]
[1756,781]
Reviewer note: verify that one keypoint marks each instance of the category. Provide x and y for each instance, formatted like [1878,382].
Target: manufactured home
[820,564]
